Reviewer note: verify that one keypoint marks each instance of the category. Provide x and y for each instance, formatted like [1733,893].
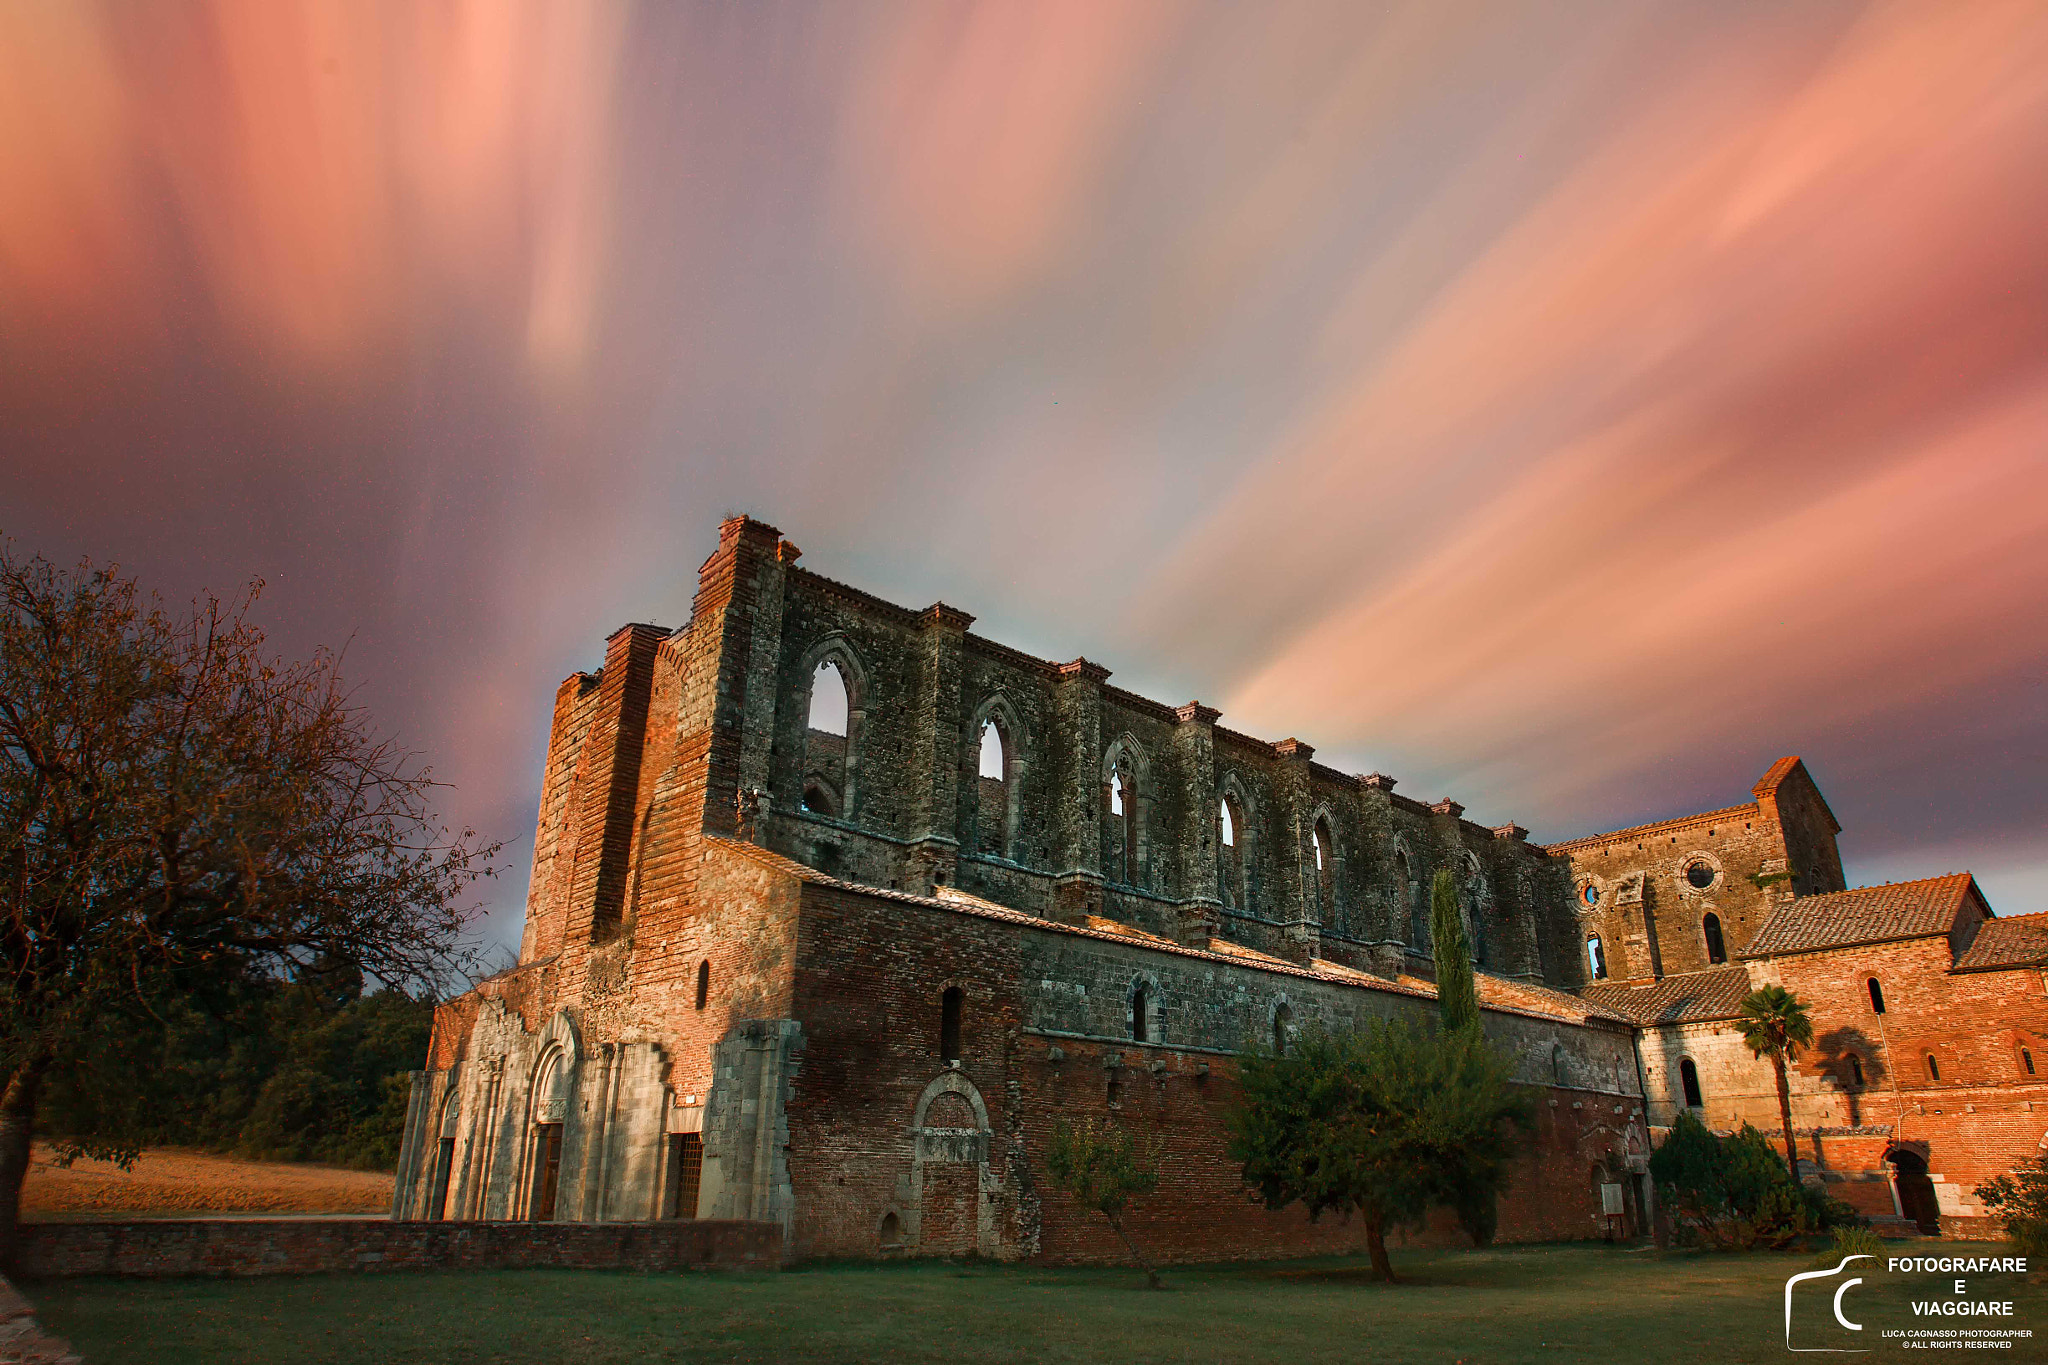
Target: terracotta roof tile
[1868,914]
[1713,994]
[2015,941]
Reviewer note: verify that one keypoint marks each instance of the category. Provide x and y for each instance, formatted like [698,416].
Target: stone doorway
[1917,1203]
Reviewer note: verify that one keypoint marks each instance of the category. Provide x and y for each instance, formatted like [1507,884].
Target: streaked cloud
[1567,410]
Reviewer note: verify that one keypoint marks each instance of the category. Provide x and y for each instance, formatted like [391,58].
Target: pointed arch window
[1409,893]
[1232,837]
[1689,1079]
[993,833]
[1717,948]
[1596,957]
[829,756]
[1123,862]
[1141,1014]
[1325,850]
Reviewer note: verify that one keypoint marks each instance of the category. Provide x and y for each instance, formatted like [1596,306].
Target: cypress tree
[1457,998]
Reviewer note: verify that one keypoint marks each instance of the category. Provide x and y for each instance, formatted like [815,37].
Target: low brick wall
[283,1246]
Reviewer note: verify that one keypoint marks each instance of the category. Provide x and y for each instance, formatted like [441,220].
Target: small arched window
[1282,1018]
[1326,871]
[1231,830]
[828,700]
[1876,996]
[1140,1006]
[1596,957]
[2027,1060]
[1933,1068]
[1229,825]
[818,798]
[1855,1071]
[1123,824]
[703,982]
[949,1024]
[1689,1078]
[1717,950]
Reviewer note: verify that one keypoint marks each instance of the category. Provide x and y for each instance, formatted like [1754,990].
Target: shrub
[1734,1193]
[1849,1241]
[2019,1200]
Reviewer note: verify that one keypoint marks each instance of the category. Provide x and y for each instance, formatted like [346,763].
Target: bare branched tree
[176,806]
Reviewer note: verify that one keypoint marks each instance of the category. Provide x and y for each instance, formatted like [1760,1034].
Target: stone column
[1074,755]
[935,762]
[1389,936]
[1199,838]
[1302,936]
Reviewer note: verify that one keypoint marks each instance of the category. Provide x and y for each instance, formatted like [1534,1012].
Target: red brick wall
[241,1247]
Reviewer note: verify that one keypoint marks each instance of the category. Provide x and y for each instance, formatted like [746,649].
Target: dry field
[171,1180]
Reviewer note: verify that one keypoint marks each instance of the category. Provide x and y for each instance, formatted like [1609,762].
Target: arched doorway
[1917,1203]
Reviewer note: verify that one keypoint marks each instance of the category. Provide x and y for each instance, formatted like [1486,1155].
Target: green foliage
[278,1072]
[2019,1200]
[1849,1241]
[1774,1023]
[1457,996]
[1103,1166]
[1763,880]
[1734,1193]
[1386,1123]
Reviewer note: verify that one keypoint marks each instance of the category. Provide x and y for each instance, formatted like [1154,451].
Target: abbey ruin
[836,905]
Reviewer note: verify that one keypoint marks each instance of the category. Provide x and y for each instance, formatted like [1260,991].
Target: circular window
[1700,876]
[1589,894]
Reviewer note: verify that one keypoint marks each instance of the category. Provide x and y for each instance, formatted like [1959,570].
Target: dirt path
[172,1180]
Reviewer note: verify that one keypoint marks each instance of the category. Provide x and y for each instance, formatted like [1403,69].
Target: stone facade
[837,963]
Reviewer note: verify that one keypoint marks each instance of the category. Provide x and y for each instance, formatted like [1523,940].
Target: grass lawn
[1575,1302]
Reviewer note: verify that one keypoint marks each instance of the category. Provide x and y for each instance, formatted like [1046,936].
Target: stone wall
[261,1246]
[897,1149]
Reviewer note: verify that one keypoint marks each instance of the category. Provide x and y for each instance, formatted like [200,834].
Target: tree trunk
[1785,1113]
[1152,1280]
[17,1126]
[1376,1247]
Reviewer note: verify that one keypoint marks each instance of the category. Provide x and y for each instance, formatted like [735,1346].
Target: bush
[1734,1193]
[2019,1200]
[1849,1241]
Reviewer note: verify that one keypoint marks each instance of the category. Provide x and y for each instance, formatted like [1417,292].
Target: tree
[182,815]
[1103,1167]
[2019,1200]
[1777,1026]
[1385,1124]
[1457,996]
[1733,1192]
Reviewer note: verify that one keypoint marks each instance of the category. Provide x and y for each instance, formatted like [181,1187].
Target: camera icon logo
[1844,1287]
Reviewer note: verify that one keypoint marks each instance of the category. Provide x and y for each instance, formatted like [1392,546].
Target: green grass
[1562,1303]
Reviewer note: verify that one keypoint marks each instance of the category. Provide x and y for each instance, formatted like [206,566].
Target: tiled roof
[1713,994]
[2015,941]
[1868,914]
[1501,993]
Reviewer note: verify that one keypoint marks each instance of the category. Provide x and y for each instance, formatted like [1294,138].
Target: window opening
[2027,1060]
[1589,894]
[1596,957]
[1856,1070]
[1933,1068]
[1689,1077]
[1876,996]
[949,1024]
[892,1230]
[1229,825]
[819,801]
[1557,1062]
[1123,811]
[685,1175]
[994,805]
[1281,1018]
[703,982]
[992,751]
[1138,1020]
[828,700]
[442,1167]
[547,1165]
[1717,950]
[1700,876]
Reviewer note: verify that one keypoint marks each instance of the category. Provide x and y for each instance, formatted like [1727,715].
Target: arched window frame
[837,651]
[703,983]
[1876,993]
[1689,1084]
[1000,712]
[1143,1016]
[1715,939]
[1125,854]
[1324,874]
[1282,1026]
[1596,958]
[1408,894]
[1236,863]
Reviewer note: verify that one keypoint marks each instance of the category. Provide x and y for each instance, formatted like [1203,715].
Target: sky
[1566,408]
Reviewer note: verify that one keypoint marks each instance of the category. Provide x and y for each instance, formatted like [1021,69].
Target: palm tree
[1775,1025]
